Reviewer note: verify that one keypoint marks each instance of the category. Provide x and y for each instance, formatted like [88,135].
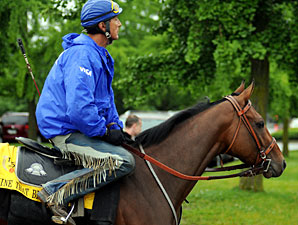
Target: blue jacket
[78,95]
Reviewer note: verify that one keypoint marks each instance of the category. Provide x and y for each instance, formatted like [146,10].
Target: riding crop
[27,63]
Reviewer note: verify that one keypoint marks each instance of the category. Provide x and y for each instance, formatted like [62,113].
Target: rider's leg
[103,163]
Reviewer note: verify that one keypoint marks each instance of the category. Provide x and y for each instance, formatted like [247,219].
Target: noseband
[263,152]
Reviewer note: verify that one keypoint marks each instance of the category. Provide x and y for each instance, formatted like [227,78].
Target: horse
[187,142]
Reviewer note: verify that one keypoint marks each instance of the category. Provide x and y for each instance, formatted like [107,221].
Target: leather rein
[257,168]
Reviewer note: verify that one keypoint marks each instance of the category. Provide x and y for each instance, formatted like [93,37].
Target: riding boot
[59,212]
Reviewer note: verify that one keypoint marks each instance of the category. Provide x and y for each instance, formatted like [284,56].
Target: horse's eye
[260,124]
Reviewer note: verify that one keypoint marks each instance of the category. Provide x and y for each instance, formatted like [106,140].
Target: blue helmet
[95,11]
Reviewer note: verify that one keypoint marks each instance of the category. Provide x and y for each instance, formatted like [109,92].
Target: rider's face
[115,25]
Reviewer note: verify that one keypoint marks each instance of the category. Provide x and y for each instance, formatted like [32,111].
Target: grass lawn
[222,202]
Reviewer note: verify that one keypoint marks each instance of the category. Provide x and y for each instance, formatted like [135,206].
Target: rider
[77,112]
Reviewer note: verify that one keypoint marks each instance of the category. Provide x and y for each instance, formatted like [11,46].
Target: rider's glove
[114,137]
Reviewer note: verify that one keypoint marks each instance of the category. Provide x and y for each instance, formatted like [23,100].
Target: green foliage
[293,134]
[21,20]
[169,53]
[9,103]
[210,45]
[40,34]
[281,92]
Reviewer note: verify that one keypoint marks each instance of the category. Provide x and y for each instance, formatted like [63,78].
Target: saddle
[37,164]
[40,164]
[36,169]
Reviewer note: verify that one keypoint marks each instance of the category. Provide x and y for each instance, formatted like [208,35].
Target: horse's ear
[240,88]
[248,91]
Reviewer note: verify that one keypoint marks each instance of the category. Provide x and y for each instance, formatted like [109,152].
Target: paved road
[293,145]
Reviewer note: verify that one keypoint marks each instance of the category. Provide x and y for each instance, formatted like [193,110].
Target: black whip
[27,62]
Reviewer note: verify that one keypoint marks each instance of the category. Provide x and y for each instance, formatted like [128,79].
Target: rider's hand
[114,137]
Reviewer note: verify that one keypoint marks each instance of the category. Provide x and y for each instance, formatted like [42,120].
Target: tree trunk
[285,137]
[252,183]
[260,74]
[32,133]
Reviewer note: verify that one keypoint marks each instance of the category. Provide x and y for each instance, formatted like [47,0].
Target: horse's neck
[189,149]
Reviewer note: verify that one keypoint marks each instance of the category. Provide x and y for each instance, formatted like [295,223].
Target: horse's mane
[160,132]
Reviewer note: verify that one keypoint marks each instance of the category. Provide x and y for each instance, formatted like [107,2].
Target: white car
[294,123]
[149,118]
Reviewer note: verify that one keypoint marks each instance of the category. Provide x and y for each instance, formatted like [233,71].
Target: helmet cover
[95,11]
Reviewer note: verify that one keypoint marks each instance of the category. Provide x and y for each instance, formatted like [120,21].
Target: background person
[133,126]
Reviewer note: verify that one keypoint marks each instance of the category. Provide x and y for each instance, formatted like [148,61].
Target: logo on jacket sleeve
[88,72]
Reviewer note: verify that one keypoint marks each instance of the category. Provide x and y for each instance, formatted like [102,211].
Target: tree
[281,101]
[41,25]
[30,21]
[286,89]
[18,19]
[212,45]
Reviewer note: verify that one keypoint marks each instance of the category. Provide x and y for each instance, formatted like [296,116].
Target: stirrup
[62,219]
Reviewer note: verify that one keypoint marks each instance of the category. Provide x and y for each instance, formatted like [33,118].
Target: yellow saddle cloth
[9,180]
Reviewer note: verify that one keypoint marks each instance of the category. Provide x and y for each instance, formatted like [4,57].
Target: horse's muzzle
[275,169]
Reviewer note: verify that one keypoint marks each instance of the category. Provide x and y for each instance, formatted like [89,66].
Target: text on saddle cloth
[24,171]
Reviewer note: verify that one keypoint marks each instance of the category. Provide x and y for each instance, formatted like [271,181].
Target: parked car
[154,118]
[15,124]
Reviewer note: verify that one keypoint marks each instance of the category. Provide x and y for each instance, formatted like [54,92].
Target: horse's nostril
[284,164]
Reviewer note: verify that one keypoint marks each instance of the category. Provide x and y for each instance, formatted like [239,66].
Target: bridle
[263,152]
[256,169]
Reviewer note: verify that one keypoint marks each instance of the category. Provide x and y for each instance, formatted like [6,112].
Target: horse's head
[251,141]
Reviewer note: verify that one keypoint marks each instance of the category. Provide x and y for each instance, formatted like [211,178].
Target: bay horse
[187,142]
